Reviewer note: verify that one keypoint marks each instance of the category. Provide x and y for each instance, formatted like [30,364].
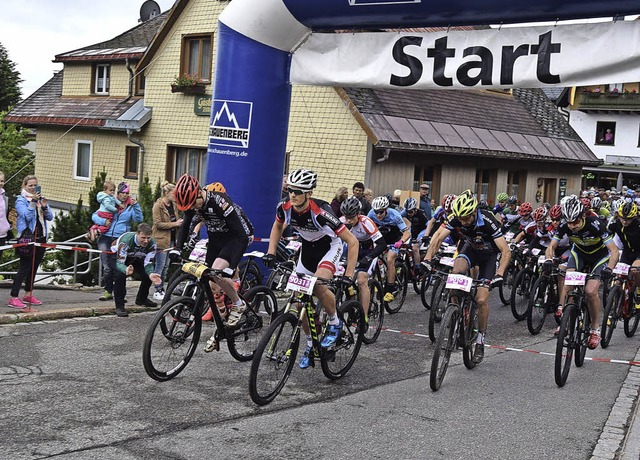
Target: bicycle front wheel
[610,316]
[402,282]
[445,344]
[274,358]
[375,314]
[262,308]
[521,293]
[566,343]
[632,318]
[183,284]
[338,359]
[582,334]
[470,334]
[438,304]
[507,285]
[425,293]
[172,338]
[537,308]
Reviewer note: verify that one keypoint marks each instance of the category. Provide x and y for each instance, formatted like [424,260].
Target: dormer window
[101,79]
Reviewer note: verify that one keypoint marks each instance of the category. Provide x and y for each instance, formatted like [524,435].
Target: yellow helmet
[629,210]
[216,187]
[465,205]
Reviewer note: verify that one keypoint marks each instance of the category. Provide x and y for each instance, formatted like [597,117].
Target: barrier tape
[524,350]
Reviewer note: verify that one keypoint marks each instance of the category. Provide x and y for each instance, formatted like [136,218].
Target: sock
[480,338]
[238,303]
[309,341]
[333,320]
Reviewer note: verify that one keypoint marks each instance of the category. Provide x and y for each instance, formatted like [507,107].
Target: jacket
[27,216]
[162,224]
[121,221]
[5,226]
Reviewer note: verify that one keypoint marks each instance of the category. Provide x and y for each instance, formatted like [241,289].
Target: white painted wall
[626,135]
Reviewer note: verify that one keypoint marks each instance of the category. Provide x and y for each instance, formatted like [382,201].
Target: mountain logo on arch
[231,124]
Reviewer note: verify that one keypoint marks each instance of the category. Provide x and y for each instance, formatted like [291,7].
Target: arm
[551,249]
[505,257]
[137,213]
[438,237]
[614,254]
[274,237]
[352,254]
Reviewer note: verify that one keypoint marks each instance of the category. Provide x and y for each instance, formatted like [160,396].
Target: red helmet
[586,203]
[555,212]
[186,192]
[525,208]
[540,214]
[447,202]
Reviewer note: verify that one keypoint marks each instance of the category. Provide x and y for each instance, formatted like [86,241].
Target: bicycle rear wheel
[565,343]
[470,334]
[582,334]
[507,285]
[171,339]
[632,318]
[521,293]
[338,359]
[425,293]
[438,304]
[274,358]
[376,313]
[610,316]
[445,344]
[537,308]
[402,281]
[262,308]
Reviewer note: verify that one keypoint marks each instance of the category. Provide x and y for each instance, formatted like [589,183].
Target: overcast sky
[34,31]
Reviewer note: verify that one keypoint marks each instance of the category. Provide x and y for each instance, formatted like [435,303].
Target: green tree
[147,198]
[10,80]
[15,160]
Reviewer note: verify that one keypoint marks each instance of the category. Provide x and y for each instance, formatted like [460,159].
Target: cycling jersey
[481,235]
[418,221]
[369,236]
[630,238]
[589,238]
[220,215]
[541,236]
[391,226]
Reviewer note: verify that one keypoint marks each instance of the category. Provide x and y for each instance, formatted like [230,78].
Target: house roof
[526,125]
[46,106]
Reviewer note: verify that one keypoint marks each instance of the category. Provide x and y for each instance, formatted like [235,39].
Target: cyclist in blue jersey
[395,232]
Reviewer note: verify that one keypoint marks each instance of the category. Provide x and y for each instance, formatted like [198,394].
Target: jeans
[108,262]
[162,265]
[120,285]
[27,271]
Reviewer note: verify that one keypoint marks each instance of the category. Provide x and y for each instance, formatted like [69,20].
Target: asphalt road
[76,389]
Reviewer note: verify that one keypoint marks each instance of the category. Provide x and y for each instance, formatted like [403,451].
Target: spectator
[5,226]
[608,137]
[166,222]
[129,212]
[108,206]
[33,213]
[368,197]
[341,195]
[395,200]
[134,253]
[358,192]
[425,200]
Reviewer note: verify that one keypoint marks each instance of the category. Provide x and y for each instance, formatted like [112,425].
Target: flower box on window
[197,88]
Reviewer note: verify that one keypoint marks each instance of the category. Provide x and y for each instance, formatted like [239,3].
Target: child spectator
[108,205]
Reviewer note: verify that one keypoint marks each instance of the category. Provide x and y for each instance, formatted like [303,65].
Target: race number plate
[199,253]
[448,261]
[194,268]
[621,269]
[303,284]
[541,259]
[575,279]
[294,245]
[509,236]
[460,282]
[449,249]
[535,251]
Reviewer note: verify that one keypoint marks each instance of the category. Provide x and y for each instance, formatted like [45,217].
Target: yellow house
[115,107]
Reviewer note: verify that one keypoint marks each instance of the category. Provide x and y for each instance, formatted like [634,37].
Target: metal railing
[73,271]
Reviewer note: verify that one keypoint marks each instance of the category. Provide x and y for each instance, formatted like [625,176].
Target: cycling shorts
[485,260]
[226,247]
[580,261]
[628,257]
[323,253]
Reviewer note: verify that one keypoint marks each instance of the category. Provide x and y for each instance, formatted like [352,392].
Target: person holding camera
[33,214]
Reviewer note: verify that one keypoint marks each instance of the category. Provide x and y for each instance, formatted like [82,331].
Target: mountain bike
[276,354]
[621,303]
[575,326]
[458,327]
[515,264]
[523,284]
[544,298]
[443,265]
[445,252]
[277,280]
[401,284]
[174,333]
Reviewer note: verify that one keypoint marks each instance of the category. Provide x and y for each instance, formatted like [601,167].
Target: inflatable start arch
[256,42]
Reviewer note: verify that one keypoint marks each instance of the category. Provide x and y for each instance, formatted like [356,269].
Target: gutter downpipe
[139,143]
[131,79]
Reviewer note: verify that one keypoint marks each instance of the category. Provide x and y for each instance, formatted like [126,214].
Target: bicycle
[620,304]
[186,284]
[443,264]
[515,264]
[276,354]
[174,333]
[575,326]
[445,253]
[401,283]
[458,328]
[544,298]
[523,284]
[277,280]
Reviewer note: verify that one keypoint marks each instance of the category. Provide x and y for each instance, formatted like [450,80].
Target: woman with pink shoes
[33,214]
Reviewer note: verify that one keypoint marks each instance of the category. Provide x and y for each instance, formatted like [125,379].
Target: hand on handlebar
[269,260]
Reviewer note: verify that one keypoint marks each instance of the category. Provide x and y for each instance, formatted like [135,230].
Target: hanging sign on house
[202,105]
[493,58]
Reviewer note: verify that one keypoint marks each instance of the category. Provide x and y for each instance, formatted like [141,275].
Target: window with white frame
[101,79]
[615,88]
[82,160]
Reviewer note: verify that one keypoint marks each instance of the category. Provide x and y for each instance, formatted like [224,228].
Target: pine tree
[16,161]
[10,80]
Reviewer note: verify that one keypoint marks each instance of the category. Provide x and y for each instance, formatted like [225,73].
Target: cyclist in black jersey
[227,229]
[418,223]
[627,227]
[481,242]
[592,246]
[322,236]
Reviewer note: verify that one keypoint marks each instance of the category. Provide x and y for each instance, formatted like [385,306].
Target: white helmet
[379,203]
[303,179]
[572,208]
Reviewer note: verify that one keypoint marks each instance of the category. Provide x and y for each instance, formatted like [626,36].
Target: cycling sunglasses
[295,191]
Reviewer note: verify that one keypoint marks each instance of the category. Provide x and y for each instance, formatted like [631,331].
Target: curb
[75,312]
